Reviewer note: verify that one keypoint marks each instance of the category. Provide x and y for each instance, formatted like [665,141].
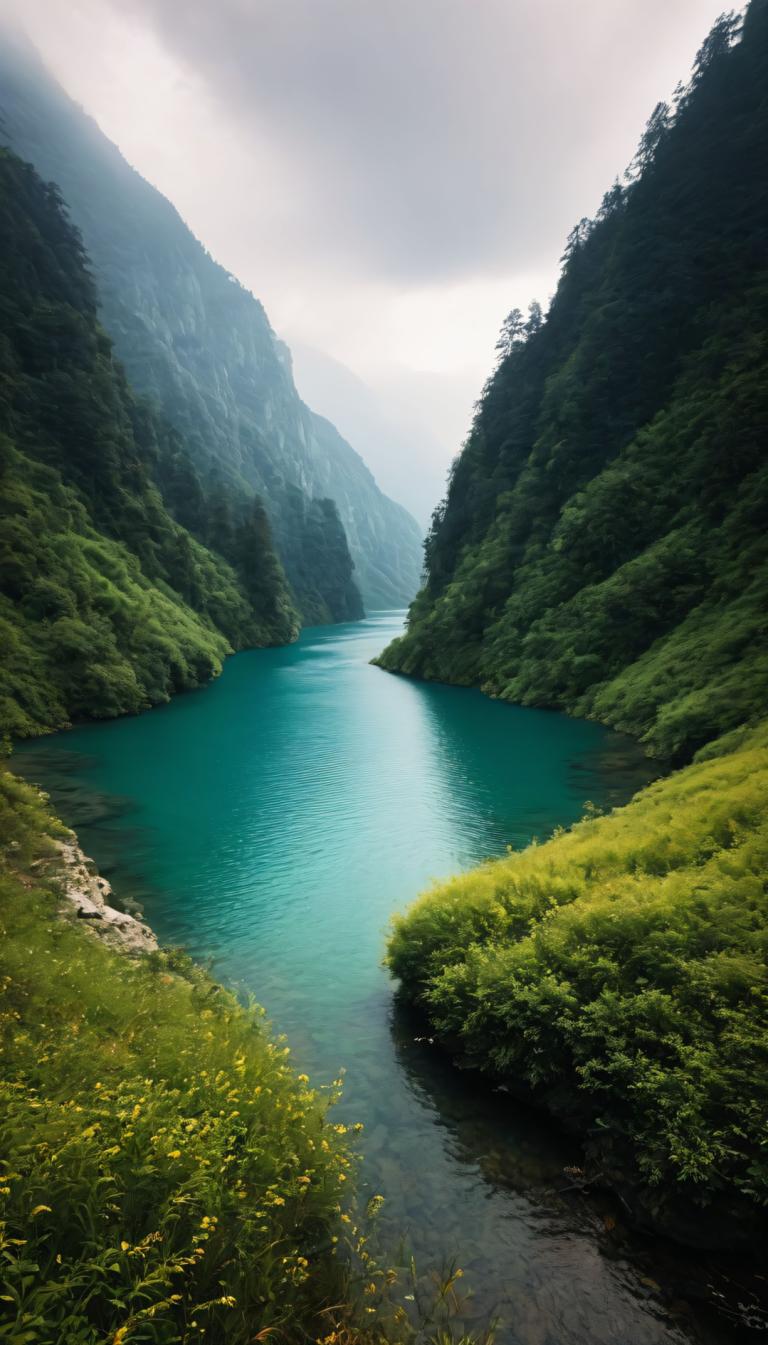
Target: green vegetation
[322,566]
[165,1176]
[163,1168]
[618,972]
[602,548]
[200,346]
[107,603]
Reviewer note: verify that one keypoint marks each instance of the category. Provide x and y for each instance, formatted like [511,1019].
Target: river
[271,824]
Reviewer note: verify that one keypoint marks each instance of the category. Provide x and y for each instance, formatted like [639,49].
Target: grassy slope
[161,1162]
[165,1176]
[619,972]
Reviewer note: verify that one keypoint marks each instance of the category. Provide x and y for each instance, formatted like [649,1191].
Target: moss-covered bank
[617,973]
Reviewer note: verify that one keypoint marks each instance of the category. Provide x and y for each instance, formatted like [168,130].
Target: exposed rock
[88,893]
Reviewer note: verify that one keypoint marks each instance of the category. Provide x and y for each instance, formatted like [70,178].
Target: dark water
[272,823]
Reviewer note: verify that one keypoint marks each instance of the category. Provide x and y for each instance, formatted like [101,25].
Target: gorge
[564,1095]
[270,825]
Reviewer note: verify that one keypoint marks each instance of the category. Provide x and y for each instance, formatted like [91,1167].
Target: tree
[535,318]
[512,331]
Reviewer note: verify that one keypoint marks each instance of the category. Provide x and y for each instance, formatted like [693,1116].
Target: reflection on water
[272,823]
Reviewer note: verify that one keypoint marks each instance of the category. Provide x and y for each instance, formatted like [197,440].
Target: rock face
[199,344]
[88,893]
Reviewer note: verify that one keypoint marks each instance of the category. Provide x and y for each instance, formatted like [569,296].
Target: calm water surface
[272,823]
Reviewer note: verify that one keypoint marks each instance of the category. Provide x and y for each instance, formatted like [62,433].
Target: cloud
[425,139]
[389,176]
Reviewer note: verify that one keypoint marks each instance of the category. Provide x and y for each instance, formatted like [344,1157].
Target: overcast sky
[390,177]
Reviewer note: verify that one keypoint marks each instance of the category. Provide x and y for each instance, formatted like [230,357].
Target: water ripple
[273,823]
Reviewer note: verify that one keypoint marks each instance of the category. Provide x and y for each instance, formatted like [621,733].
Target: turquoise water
[271,823]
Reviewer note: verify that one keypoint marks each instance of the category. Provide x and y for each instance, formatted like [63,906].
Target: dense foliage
[200,346]
[165,1176]
[602,547]
[107,603]
[619,973]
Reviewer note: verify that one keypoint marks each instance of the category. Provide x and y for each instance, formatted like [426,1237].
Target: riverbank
[271,824]
[616,974]
[166,1175]
[69,869]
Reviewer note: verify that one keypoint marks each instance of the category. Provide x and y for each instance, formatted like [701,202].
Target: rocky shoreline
[88,893]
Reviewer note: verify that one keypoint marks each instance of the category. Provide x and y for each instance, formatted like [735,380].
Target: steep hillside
[107,604]
[200,345]
[602,547]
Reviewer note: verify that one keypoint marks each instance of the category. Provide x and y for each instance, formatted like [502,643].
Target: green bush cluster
[602,548]
[618,972]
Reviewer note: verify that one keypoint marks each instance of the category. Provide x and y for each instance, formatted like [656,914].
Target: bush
[618,972]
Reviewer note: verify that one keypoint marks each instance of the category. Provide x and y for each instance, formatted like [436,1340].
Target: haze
[390,179]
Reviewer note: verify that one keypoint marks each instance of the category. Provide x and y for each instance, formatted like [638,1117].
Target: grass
[618,973]
[166,1176]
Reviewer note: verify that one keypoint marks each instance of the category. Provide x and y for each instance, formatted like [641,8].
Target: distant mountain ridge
[408,461]
[200,345]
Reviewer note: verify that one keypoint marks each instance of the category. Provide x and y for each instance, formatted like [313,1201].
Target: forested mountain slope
[200,345]
[603,548]
[107,604]
[603,544]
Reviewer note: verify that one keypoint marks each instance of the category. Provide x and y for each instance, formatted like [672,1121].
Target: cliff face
[193,339]
[602,545]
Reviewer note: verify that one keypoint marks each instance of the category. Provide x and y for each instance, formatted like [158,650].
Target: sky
[390,177]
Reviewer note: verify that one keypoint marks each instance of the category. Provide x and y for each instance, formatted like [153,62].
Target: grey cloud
[430,139]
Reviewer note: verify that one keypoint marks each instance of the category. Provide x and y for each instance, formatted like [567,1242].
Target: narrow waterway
[271,824]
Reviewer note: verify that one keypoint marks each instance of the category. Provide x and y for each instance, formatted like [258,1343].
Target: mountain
[200,346]
[403,454]
[107,603]
[602,547]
